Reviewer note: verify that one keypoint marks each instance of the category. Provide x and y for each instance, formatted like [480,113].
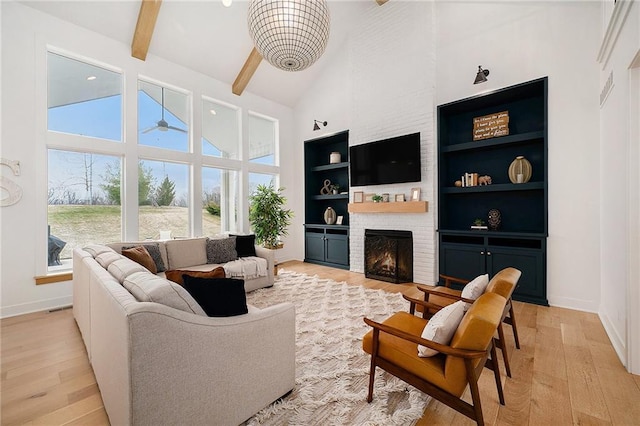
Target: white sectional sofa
[159,360]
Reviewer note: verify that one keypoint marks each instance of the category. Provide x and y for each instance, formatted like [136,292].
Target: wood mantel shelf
[392,207]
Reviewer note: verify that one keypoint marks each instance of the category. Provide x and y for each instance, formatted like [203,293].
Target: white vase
[335,158]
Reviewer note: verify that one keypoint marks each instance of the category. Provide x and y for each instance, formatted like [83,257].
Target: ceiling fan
[162,124]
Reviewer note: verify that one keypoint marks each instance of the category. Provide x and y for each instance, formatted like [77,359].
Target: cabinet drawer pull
[481,252]
[488,253]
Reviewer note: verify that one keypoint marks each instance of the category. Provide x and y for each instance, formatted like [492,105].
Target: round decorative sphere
[290,34]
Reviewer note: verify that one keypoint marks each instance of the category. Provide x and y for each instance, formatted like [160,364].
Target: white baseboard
[616,340]
[575,304]
[41,305]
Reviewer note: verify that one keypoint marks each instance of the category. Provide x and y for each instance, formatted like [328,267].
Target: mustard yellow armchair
[393,346]
[502,283]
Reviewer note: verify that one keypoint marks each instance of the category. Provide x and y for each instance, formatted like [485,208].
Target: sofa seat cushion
[175,275]
[187,252]
[122,268]
[146,287]
[219,297]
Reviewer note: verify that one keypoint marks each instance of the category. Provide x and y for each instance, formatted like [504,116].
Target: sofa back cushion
[146,287]
[96,249]
[122,268]
[107,258]
[187,252]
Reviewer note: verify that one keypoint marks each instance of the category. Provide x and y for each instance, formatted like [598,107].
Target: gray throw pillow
[221,250]
[154,252]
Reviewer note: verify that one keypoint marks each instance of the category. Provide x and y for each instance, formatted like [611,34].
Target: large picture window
[220,130]
[163,117]
[83,202]
[163,199]
[83,99]
[94,192]
[262,139]
[219,201]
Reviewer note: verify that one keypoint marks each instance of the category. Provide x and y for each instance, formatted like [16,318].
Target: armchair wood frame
[488,359]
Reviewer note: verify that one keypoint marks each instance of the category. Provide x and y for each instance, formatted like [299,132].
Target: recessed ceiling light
[226,3]
[212,111]
[91,77]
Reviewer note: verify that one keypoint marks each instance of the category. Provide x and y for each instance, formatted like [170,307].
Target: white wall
[521,41]
[25,34]
[381,86]
[620,212]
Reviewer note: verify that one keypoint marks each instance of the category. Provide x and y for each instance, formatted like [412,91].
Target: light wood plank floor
[566,371]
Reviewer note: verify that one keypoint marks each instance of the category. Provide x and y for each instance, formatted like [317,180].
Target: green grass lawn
[80,225]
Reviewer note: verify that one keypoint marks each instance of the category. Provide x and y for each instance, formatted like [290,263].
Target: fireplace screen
[388,255]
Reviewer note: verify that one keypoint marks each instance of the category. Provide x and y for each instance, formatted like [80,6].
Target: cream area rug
[332,370]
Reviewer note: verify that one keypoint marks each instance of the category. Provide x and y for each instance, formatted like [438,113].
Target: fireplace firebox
[388,255]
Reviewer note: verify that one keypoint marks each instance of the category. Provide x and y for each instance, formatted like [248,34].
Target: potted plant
[269,220]
[335,188]
[377,198]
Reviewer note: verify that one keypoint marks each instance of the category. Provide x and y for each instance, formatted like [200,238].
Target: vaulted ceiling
[209,38]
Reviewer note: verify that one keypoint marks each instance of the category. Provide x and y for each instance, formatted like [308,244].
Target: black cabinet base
[333,265]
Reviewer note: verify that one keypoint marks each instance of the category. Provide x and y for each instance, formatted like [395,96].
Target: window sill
[54,278]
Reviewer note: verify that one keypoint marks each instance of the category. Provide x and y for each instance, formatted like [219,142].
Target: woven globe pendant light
[289,34]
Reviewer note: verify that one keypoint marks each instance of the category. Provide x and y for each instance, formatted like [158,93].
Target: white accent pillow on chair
[475,288]
[441,327]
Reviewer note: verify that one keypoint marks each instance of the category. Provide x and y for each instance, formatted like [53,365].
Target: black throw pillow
[245,245]
[219,297]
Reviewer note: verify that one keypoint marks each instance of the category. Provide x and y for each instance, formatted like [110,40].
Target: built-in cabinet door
[529,262]
[337,248]
[314,247]
[465,261]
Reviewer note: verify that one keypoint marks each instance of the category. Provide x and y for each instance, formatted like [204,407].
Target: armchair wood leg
[496,373]
[512,322]
[503,347]
[475,393]
[372,371]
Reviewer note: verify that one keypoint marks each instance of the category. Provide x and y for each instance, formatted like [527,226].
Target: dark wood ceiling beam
[147,17]
[244,76]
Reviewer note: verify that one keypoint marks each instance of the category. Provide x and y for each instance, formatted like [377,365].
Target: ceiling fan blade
[149,129]
[177,128]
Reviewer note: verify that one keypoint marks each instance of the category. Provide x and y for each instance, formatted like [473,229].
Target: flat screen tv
[393,160]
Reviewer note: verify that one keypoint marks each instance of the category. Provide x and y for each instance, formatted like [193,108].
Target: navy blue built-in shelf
[520,240]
